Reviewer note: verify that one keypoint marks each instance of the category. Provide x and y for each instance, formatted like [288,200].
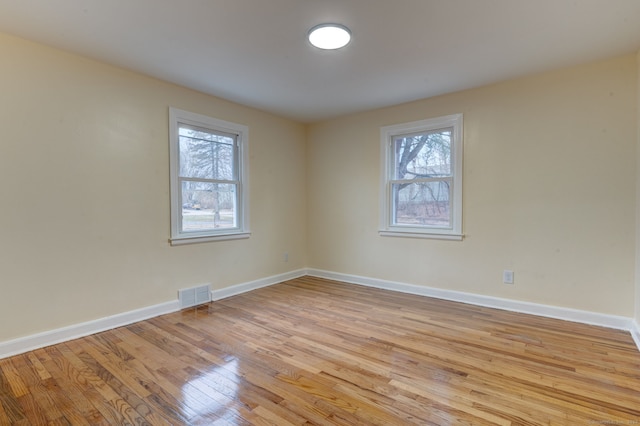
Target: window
[209,192]
[421,185]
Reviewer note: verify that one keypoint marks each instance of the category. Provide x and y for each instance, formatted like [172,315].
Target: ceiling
[255,52]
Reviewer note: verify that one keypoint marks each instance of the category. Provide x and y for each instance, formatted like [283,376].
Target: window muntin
[209,179]
[422,178]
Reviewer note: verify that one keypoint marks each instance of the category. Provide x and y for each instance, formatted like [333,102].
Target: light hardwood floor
[313,351]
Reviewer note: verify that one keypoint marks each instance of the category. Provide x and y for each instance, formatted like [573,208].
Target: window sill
[426,235]
[180,241]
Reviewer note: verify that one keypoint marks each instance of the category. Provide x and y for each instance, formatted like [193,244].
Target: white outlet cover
[507,276]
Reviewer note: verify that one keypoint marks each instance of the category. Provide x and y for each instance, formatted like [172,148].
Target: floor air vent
[194,296]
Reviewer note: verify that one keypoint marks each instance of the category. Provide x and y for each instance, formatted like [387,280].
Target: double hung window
[421,185]
[208,178]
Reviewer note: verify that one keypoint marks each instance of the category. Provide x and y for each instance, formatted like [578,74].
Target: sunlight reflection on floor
[213,394]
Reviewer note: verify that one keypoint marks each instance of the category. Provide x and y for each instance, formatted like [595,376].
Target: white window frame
[387,135]
[241,230]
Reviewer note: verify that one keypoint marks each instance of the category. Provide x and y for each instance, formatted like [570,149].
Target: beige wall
[549,192]
[84,180]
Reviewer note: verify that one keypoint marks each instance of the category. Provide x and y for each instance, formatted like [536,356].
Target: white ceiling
[255,52]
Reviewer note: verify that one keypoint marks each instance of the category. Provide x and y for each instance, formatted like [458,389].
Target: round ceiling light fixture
[329,36]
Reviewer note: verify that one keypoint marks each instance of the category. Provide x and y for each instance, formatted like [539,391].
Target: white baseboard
[24,344]
[635,332]
[40,340]
[254,285]
[48,338]
[567,314]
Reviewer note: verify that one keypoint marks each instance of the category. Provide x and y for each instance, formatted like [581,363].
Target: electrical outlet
[285,256]
[507,276]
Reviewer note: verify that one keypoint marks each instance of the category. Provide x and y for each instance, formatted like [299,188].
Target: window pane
[423,155]
[206,155]
[208,206]
[422,204]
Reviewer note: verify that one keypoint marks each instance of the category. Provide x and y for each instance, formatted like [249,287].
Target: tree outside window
[209,193]
[422,178]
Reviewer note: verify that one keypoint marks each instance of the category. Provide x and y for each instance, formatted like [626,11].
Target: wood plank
[315,351]
[10,407]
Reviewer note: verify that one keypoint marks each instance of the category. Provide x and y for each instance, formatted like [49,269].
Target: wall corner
[637,254]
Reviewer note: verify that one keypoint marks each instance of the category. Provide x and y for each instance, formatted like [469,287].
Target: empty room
[327,212]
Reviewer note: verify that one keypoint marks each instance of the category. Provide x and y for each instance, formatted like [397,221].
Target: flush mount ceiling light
[329,36]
